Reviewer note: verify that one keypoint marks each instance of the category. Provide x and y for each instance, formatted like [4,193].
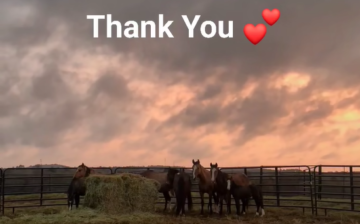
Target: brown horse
[165,188]
[205,185]
[77,186]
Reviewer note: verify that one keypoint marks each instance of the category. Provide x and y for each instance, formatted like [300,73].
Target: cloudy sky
[68,98]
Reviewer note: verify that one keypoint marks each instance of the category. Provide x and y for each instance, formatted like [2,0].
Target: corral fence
[310,188]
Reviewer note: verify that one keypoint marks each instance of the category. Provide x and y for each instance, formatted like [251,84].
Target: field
[60,214]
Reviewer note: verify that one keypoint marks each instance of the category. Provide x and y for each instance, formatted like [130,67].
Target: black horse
[221,180]
[77,186]
[181,183]
[237,185]
[75,190]
[241,192]
[165,187]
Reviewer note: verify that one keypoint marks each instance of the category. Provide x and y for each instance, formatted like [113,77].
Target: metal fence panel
[340,186]
[283,186]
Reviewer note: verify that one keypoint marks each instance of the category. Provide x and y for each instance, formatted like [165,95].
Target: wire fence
[310,188]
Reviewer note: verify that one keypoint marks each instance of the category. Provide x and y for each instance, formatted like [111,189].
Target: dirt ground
[55,215]
[60,215]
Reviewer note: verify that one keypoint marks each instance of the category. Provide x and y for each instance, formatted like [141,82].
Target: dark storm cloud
[321,109]
[256,114]
[112,85]
[311,36]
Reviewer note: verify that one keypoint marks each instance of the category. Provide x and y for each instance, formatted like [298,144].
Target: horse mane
[203,172]
[173,170]
[223,174]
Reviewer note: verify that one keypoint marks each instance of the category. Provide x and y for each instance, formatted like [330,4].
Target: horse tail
[70,194]
[189,195]
[180,193]
[257,195]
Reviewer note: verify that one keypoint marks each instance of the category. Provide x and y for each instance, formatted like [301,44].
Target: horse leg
[244,202]
[189,200]
[259,205]
[166,197]
[202,202]
[178,203]
[77,200]
[216,201]
[178,207]
[258,198]
[183,206]
[220,208]
[70,202]
[237,204]
[228,202]
[210,202]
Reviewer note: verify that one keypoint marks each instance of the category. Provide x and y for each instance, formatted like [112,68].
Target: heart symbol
[271,17]
[255,33]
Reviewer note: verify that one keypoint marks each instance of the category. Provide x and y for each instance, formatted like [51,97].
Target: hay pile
[122,193]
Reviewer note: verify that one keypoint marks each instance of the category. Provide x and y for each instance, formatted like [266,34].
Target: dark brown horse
[205,185]
[165,188]
[77,186]
[181,183]
[221,180]
[252,190]
[239,186]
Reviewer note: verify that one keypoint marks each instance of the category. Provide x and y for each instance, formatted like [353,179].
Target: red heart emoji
[271,17]
[255,33]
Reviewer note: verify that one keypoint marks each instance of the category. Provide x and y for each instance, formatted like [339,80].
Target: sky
[68,98]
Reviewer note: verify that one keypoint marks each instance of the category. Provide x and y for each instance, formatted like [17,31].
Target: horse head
[196,168]
[83,171]
[214,171]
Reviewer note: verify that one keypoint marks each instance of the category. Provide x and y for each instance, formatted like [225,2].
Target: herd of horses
[219,186]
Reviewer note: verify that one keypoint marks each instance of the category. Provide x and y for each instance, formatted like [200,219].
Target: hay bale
[121,193]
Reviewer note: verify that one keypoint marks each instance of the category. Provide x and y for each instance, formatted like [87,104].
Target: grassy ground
[59,214]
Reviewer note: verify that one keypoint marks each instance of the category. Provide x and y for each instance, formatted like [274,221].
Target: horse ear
[215,164]
[198,160]
[193,161]
[210,164]
[82,164]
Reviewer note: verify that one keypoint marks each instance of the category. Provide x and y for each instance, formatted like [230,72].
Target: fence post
[41,186]
[352,188]
[277,186]
[261,176]
[320,183]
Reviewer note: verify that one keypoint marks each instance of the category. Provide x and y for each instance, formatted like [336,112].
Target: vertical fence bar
[41,186]
[315,190]
[277,186]
[304,180]
[352,188]
[261,176]
[311,190]
[3,192]
[320,183]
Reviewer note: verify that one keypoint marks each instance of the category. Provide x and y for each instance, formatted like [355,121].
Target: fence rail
[309,189]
